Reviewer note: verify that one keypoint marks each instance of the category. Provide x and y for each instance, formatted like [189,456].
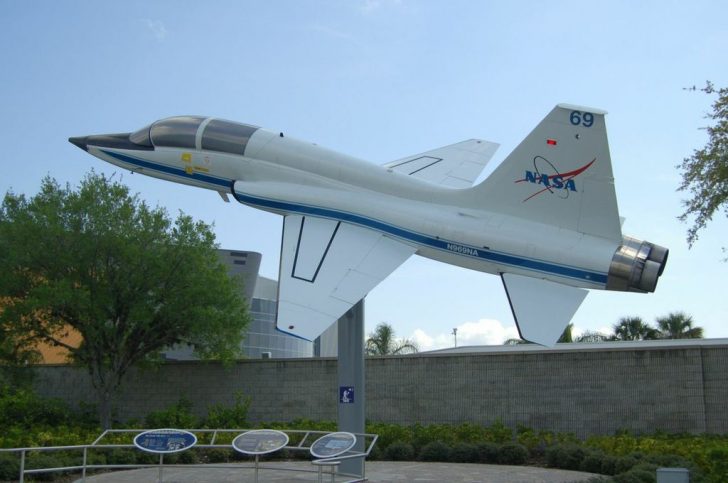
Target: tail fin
[560,174]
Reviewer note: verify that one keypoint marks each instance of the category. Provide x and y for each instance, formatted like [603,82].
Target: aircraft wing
[326,267]
[542,309]
[453,166]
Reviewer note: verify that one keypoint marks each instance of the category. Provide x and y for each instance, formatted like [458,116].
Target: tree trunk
[104,398]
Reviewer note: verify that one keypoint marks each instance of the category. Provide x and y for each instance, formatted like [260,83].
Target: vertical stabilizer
[560,174]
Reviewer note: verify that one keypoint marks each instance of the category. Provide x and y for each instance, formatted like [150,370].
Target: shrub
[488,452]
[435,451]
[399,451]
[424,435]
[121,456]
[9,466]
[188,457]
[718,464]
[215,455]
[235,417]
[624,464]
[178,415]
[565,456]
[641,473]
[609,465]
[512,454]
[499,432]
[24,408]
[592,462]
[43,461]
[464,453]
[389,433]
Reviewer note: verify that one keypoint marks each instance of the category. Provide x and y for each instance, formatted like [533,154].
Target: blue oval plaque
[165,440]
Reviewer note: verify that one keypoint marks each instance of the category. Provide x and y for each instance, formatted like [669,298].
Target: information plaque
[163,441]
[333,445]
[260,441]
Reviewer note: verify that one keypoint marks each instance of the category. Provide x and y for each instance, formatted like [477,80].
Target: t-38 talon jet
[546,220]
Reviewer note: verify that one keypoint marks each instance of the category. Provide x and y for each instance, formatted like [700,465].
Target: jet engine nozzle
[636,266]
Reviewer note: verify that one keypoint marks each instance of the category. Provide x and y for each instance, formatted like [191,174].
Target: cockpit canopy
[195,132]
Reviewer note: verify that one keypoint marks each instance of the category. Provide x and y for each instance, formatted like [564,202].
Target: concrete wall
[586,389]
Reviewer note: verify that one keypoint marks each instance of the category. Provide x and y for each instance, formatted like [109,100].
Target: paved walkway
[376,471]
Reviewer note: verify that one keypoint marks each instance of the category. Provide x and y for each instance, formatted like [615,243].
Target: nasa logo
[558,183]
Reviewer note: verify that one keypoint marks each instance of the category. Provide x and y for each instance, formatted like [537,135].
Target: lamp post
[455,333]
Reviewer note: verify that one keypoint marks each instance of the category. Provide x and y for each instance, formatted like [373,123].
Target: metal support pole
[352,396]
[85,461]
[21,479]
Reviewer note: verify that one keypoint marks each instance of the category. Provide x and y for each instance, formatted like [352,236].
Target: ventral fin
[542,309]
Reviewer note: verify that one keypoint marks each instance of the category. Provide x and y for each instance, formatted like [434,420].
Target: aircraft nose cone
[81,142]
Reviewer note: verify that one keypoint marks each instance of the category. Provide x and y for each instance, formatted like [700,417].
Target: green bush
[178,415]
[488,453]
[23,408]
[215,455]
[624,464]
[399,451]
[640,473]
[235,417]
[592,462]
[46,460]
[188,457]
[464,453]
[565,456]
[512,454]
[717,464]
[121,456]
[389,433]
[499,432]
[9,466]
[435,451]
[609,465]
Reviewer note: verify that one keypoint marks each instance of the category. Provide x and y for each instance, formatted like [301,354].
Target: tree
[567,336]
[383,342]
[678,325]
[633,328]
[126,277]
[705,172]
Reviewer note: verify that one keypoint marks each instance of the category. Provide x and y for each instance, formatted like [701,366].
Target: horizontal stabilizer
[542,309]
[454,166]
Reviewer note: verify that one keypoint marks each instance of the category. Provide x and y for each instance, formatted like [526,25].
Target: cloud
[482,332]
[156,27]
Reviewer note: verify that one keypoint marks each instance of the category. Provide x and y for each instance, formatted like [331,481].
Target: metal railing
[304,440]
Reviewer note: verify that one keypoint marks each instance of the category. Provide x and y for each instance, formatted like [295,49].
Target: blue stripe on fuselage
[206,178]
[419,238]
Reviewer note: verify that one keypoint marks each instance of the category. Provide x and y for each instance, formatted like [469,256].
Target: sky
[380,80]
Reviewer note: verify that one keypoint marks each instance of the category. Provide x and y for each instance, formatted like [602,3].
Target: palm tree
[678,325]
[633,328]
[383,342]
[567,336]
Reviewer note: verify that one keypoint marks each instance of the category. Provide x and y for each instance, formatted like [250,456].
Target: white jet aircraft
[546,220]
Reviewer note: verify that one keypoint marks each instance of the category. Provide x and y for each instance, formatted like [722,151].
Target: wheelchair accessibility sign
[346,394]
